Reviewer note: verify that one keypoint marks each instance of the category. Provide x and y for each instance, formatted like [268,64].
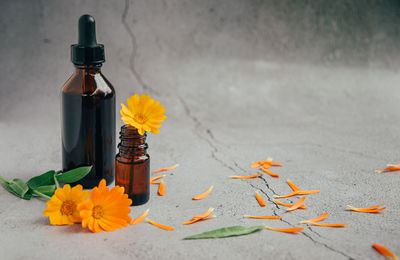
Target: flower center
[140,118]
[97,212]
[68,207]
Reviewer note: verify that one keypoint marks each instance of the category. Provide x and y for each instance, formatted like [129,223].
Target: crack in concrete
[133,56]
[210,139]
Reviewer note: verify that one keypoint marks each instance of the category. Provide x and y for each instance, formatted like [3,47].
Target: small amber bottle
[132,165]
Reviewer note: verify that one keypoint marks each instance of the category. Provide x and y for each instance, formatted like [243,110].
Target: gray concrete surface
[313,85]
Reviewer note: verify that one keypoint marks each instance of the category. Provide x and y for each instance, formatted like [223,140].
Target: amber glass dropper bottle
[88,110]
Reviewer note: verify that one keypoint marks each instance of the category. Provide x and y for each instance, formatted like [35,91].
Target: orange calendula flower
[143,113]
[62,208]
[106,209]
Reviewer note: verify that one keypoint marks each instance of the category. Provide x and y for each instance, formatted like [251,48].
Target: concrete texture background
[313,84]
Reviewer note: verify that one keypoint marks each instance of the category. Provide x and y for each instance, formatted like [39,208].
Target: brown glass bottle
[88,124]
[88,110]
[132,165]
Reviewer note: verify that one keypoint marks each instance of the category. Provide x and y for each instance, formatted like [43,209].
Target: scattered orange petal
[294,193]
[161,189]
[167,169]
[205,215]
[245,177]
[390,168]
[384,251]
[203,195]
[373,209]
[308,192]
[317,219]
[327,225]
[140,218]
[286,230]
[155,182]
[266,164]
[292,186]
[260,200]
[156,178]
[297,204]
[288,205]
[159,225]
[299,192]
[272,174]
[263,217]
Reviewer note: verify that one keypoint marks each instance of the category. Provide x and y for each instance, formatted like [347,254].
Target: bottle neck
[88,68]
[132,144]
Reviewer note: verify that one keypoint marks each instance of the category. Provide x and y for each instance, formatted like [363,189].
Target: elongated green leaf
[74,175]
[47,190]
[9,188]
[44,179]
[19,186]
[227,232]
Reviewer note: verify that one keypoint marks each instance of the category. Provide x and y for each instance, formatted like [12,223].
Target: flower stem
[41,194]
[56,181]
[4,180]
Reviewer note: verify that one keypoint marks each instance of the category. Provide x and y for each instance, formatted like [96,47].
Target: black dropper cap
[87,51]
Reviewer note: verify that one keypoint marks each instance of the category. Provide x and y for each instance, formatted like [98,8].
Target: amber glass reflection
[132,165]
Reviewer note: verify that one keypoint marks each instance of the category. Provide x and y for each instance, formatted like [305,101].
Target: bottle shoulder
[88,83]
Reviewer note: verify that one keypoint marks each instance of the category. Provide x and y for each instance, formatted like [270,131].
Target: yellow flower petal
[106,209]
[143,113]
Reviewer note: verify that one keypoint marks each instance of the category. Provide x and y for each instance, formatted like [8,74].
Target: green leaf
[74,175]
[44,179]
[227,232]
[19,186]
[18,189]
[47,190]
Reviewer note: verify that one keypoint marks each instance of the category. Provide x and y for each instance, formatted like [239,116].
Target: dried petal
[317,219]
[262,217]
[167,169]
[205,215]
[159,225]
[390,168]
[297,204]
[299,192]
[292,186]
[272,174]
[140,218]
[286,230]
[260,200]
[152,180]
[203,195]
[245,177]
[373,209]
[288,205]
[384,251]
[161,189]
[327,225]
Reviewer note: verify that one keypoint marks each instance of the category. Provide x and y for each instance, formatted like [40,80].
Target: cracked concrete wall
[36,36]
[313,83]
